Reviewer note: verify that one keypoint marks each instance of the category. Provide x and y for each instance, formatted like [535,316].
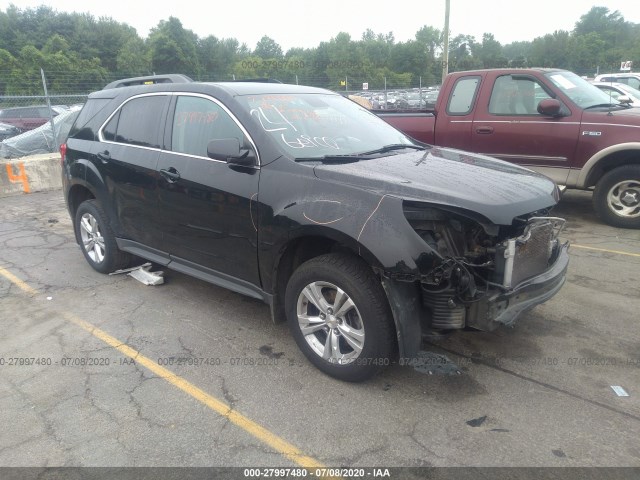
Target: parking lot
[100,370]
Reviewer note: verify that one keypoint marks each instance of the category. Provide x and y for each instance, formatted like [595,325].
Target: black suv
[362,238]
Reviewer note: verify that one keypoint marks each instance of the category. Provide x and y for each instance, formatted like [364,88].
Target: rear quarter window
[138,122]
[463,95]
[91,108]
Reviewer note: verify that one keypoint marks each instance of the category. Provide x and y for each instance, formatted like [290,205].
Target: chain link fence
[36,124]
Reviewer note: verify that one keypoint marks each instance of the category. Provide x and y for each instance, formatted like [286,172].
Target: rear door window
[138,122]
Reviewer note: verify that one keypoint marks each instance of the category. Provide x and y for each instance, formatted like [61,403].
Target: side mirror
[624,99]
[549,107]
[228,150]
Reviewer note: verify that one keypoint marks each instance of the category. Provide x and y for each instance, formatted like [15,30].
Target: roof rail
[259,80]
[149,80]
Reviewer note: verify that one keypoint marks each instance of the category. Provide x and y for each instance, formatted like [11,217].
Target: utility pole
[445,51]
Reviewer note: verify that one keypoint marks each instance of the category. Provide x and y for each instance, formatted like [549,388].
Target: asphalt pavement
[99,370]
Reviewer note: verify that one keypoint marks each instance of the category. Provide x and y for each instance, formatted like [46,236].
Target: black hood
[495,189]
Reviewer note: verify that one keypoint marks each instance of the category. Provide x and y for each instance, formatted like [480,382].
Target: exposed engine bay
[474,262]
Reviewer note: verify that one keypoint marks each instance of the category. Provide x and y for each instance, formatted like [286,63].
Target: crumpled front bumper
[504,307]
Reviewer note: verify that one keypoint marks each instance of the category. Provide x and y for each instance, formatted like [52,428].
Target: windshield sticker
[191,118]
[269,125]
[305,141]
[290,135]
[563,82]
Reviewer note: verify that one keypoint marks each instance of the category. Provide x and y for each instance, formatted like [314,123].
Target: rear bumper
[503,308]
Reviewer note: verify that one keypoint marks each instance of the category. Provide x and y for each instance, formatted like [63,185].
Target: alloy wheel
[92,239]
[330,322]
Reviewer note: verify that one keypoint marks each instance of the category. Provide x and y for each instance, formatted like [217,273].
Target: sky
[305,24]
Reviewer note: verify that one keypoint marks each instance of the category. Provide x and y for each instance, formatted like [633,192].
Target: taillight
[63,152]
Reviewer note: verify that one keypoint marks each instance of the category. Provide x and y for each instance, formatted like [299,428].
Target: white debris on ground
[143,274]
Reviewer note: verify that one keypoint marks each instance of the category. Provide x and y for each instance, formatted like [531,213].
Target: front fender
[371,225]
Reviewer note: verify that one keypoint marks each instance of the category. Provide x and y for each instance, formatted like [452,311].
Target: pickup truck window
[463,95]
[516,96]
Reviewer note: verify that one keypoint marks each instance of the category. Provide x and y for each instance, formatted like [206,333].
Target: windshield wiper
[354,157]
[331,158]
[393,146]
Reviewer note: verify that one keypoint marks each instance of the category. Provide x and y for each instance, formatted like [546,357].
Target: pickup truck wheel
[339,316]
[616,198]
[97,240]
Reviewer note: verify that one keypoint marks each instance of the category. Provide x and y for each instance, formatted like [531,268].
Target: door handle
[104,156]
[484,130]
[171,174]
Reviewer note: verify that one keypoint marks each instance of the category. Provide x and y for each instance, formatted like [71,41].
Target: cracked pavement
[538,394]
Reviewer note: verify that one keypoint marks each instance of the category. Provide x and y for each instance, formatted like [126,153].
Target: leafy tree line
[80,53]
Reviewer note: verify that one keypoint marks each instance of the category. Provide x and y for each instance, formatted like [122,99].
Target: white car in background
[631,79]
[619,91]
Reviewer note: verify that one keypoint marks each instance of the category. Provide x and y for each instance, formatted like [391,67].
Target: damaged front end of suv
[483,276]
[474,274]
[460,241]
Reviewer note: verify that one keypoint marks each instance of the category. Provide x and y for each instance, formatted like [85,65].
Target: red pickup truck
[548,120]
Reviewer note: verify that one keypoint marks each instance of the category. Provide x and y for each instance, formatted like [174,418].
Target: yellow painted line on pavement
[17,282]
[605,250]
[256,430]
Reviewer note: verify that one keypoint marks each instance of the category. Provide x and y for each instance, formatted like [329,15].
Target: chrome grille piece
[528,255]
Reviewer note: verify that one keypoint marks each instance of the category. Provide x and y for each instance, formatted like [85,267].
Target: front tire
[96,239]
[339,316]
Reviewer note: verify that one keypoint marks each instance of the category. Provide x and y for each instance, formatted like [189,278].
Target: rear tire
[338,314]
[616,198]
[96,239]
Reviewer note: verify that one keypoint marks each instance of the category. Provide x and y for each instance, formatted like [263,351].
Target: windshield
[319,125]
[580,91]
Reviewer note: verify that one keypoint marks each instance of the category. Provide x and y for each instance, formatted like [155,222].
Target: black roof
[237,88]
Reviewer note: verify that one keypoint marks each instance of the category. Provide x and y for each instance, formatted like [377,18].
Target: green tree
[489,52]
[410,57]
[586,53]
[173,49]
[431,40]
[133,59]
[55,44]
[611,26]
[551,50]
[345,61]
[517,52]
[218,58]
[25,78]
[267,48]
[462,54]
[8,64]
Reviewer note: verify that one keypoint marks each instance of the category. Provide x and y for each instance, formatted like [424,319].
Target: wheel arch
[606,160]
[303,247]
[78,193]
